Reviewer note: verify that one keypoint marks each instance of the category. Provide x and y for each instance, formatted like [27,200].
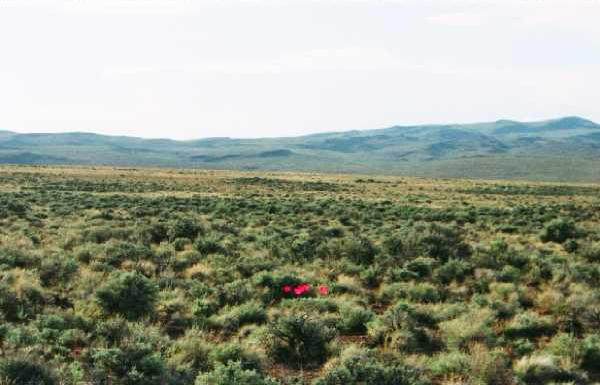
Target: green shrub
[189,355]
[453,270]
[173,312]
[318,305]
[405,328]
[523,347]
[508,274]
[420,266]
[24,301]
[180,243]
[112,330]
[490,367]
[130,365]
[442,243]
[451,363]
[11,307]
[541,370]
[11,257]
[303,247]
[298,340]
[591,252]
[86,252]
[371,277]
[129,294]
[61,329]
[55,270]
[363,367]
[233,352]
[25,370]
[394,245]
[529,325]
[354,319]
[233,374]
[10,206]
[590,348]
[424,292]
[98,234]
[470,327]
[184,228]
[185,259]
[585,272]
[333,232]
[231,319]
[359,250]
[209,244]
[123,251]
[558,231]
[153,233]
[500,254]
[234,293]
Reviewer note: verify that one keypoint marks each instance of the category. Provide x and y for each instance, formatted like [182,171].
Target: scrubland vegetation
[125,276]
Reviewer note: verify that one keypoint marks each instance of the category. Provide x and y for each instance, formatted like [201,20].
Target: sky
[187,69]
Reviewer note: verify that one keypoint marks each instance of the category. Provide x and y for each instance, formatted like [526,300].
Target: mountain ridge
[569,147]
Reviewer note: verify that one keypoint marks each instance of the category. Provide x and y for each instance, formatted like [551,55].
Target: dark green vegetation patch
[124,277]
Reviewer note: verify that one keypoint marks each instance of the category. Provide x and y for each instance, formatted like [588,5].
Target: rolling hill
[565,149]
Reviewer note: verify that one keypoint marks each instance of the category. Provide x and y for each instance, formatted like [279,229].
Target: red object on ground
[287,289]
[301,289]
[324,290]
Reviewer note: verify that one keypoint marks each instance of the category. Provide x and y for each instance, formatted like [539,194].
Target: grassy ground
[155,276]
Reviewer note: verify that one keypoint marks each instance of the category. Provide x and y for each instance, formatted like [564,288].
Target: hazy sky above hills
[247,68]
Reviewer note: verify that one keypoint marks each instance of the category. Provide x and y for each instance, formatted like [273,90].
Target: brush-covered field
[139,276]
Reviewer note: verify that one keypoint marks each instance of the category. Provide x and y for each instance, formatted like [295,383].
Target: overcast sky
[254,68]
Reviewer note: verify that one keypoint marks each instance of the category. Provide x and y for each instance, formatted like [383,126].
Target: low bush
[129,294]
[364,367]
[590,353]
[209,244]
[354,319]
[153,233]
[173,312]
[359,250]
[490,367]
[371,277]
[184,228]
[232,374]
[125,251]
[450,364]
[541,370]
[25,370]
[11,257]
[453,270]
[233,352]
[298,340]
[232,318]
[405,328]
[442,243]
[591,252]
[130,365]
[424,293]
[189,355]
[558,231]
[529,325]
[470,327]
[421,266]
[56,270]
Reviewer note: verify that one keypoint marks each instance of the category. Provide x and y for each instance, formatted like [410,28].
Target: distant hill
[560,149]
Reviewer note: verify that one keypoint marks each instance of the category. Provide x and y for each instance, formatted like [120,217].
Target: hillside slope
[560,149]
